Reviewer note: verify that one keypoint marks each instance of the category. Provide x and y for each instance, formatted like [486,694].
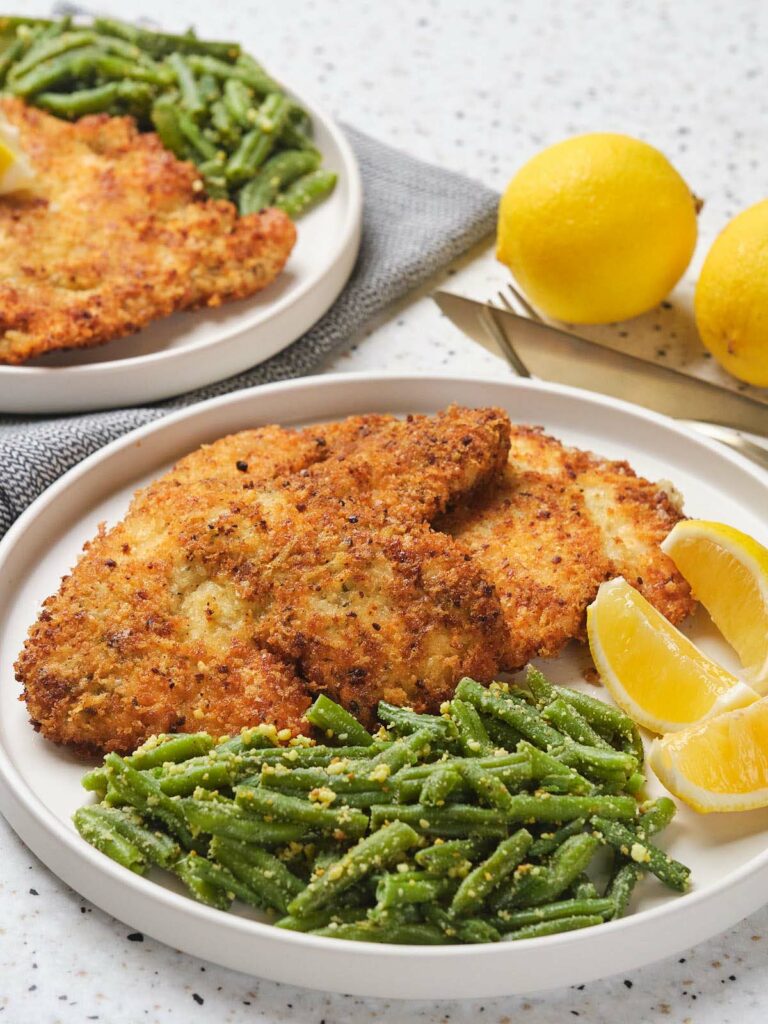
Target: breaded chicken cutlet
[266,567]
[117,233]
[553,527]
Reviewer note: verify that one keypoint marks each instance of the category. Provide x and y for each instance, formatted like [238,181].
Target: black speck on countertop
[135,937]
[198,999]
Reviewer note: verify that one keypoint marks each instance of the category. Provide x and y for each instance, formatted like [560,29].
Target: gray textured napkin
[417,218]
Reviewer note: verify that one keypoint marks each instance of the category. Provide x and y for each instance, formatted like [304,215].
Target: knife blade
[554,355]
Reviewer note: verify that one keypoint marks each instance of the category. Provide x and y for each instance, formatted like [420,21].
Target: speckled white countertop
[477,87]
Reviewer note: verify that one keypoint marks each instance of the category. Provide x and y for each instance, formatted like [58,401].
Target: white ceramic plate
[39,784]
[191,349]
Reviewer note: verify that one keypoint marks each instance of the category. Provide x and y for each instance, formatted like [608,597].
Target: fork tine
[521,299]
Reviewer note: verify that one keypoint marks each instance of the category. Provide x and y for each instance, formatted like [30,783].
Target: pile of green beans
[208,101]
[480,824]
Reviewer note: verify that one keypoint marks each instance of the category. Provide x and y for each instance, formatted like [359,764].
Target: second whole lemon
[731,302]
[597,228]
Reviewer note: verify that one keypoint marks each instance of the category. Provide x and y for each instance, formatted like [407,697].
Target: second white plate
[40,784]
[191,349]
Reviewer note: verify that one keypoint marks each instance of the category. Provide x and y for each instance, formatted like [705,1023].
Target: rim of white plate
[29,803]
[350,226]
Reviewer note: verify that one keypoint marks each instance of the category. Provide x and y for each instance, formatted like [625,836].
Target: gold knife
[540,350]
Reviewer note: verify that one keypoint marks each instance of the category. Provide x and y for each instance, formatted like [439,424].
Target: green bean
[9,23]
[101,833]
[305,192]
[567,719]
[490,789]
[512,919]
[160,750]
[95,781]
[584,888]
[252,738]
[655,816]
[488,875]
[196,877]
[191,99]
[621,886]
[246,72]
[220,878]
[472,736]
[227,129]
[238,99]
[396,934]
[71,105]
[160,44]
[544,765]
[275,806]
[671,872]
[542,690]
[521,718]
[601,716]
[635,783]
[604,763]
[469,930]
[438,786]
[376,851]
[523,808]
[9,56]
[204,147]
[321,919]
[155,846]
[292,137]
[459,820]
[304,780]
[398,888]
[211,772]
[45,49]
[255,75]
[230,821]
[477,930]
[288,166]
[453,856]
[497,764]
[258,143]
[264,874]
[542,884]
[405,751]
[209,89]
[503,736]
[337,723]
[549,842]
[143,792]
[165,118]
[560,924]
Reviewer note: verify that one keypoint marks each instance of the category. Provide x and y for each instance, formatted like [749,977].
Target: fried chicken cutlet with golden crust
[117,233]
[267,566]
[556,524]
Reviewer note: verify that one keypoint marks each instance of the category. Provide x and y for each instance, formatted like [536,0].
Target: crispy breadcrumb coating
[117,233]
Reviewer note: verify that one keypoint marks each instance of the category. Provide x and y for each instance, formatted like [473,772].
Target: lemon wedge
[650,668]
[720,764]
[728,573]
[16,171]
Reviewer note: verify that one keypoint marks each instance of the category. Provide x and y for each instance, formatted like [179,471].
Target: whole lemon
[731,303]
[597,228]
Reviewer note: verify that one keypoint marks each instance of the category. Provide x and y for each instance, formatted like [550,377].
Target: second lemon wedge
[728,573]
[651,669]
[720,764]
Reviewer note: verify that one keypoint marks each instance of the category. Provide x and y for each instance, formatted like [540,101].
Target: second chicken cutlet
[556,524]
[268,566]
[117,233]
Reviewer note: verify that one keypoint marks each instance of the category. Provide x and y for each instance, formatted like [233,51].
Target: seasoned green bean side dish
[208,101]
[425,833]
